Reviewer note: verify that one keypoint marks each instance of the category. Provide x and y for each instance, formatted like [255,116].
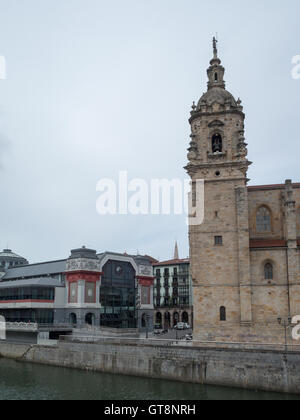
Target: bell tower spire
[216,71]
[218,148]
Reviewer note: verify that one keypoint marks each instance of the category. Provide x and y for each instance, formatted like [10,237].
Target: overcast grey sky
[94,87]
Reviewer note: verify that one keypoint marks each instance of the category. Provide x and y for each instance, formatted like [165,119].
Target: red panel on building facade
[26,301]
[90,276]
[146,281]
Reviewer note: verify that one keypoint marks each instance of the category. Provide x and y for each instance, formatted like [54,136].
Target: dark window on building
[269,275]
[158,320]
[218,240]
[194,193]
[217,143]
[118,295]
[216,77]
[222,313]
[263,220]
[41,316]
[184,301]
[73,319]
[185,317]
[27,293]
[144,321]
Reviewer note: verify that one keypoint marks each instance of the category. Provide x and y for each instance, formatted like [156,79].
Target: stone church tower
[220,246]
[229,303]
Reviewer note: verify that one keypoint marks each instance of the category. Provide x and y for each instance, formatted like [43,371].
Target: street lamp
[286,324]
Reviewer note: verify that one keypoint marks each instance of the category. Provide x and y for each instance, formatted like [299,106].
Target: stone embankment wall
[250,369]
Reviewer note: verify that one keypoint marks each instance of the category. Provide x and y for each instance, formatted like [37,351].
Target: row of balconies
[167,284]
[180,272]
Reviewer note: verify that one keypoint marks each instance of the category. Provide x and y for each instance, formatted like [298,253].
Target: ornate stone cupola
[218,147]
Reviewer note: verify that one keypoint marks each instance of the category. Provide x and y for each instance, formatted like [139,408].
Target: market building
[108,289]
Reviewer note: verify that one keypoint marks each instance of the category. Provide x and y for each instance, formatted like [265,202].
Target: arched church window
[263,220]
[217,143]
[216,77]
[222,313]
[269,274]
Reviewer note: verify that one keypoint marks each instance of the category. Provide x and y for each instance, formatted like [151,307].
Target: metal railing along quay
[34,326]
[21,326]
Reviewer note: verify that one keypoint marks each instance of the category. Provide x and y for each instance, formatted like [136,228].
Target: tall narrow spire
[216,71]
[215,48]
[176,252]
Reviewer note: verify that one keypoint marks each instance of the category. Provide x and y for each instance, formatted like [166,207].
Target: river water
[22,381]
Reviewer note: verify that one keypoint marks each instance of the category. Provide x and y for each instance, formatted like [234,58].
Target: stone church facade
[245,256]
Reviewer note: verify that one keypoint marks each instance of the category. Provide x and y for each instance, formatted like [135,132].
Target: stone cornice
[219,164]
[199,114]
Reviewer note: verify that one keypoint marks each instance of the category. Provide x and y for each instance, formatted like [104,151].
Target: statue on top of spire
[215,41]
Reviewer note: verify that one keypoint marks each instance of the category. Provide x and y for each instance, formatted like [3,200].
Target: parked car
[182,326]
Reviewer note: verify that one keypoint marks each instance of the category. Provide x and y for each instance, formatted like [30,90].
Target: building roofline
[34,270]
[271,187]
[172,262]
[36,282]
[119,254]
[35,264]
